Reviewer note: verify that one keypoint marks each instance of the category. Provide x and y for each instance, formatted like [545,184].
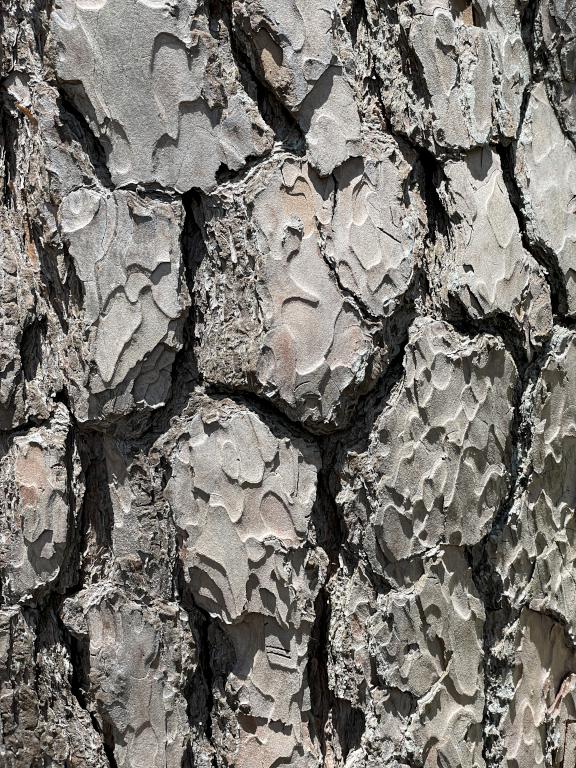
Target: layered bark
[287,384]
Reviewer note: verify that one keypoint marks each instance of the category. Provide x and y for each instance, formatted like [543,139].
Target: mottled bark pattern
[287,383]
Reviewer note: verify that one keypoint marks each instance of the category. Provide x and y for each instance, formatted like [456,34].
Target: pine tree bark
[287,383]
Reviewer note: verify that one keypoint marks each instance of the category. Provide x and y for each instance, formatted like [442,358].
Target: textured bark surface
[287,383]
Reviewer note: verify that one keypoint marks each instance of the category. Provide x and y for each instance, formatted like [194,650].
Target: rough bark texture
[287,383]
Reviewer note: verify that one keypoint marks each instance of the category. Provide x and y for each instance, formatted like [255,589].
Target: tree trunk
[287,383]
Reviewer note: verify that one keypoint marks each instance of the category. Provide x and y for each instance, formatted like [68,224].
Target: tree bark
[287,383]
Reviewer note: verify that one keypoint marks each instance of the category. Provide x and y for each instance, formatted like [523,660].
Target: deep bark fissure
[354,15]
[8,144]
[201,708]
[496,324]
[432,176]
[50,606]
[79,686]
[541,253]
[500,613]
[74,125]
[329,711]
[31,346]
[330,530]
[280,120]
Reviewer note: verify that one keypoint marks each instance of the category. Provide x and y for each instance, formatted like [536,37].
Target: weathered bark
[287,383]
